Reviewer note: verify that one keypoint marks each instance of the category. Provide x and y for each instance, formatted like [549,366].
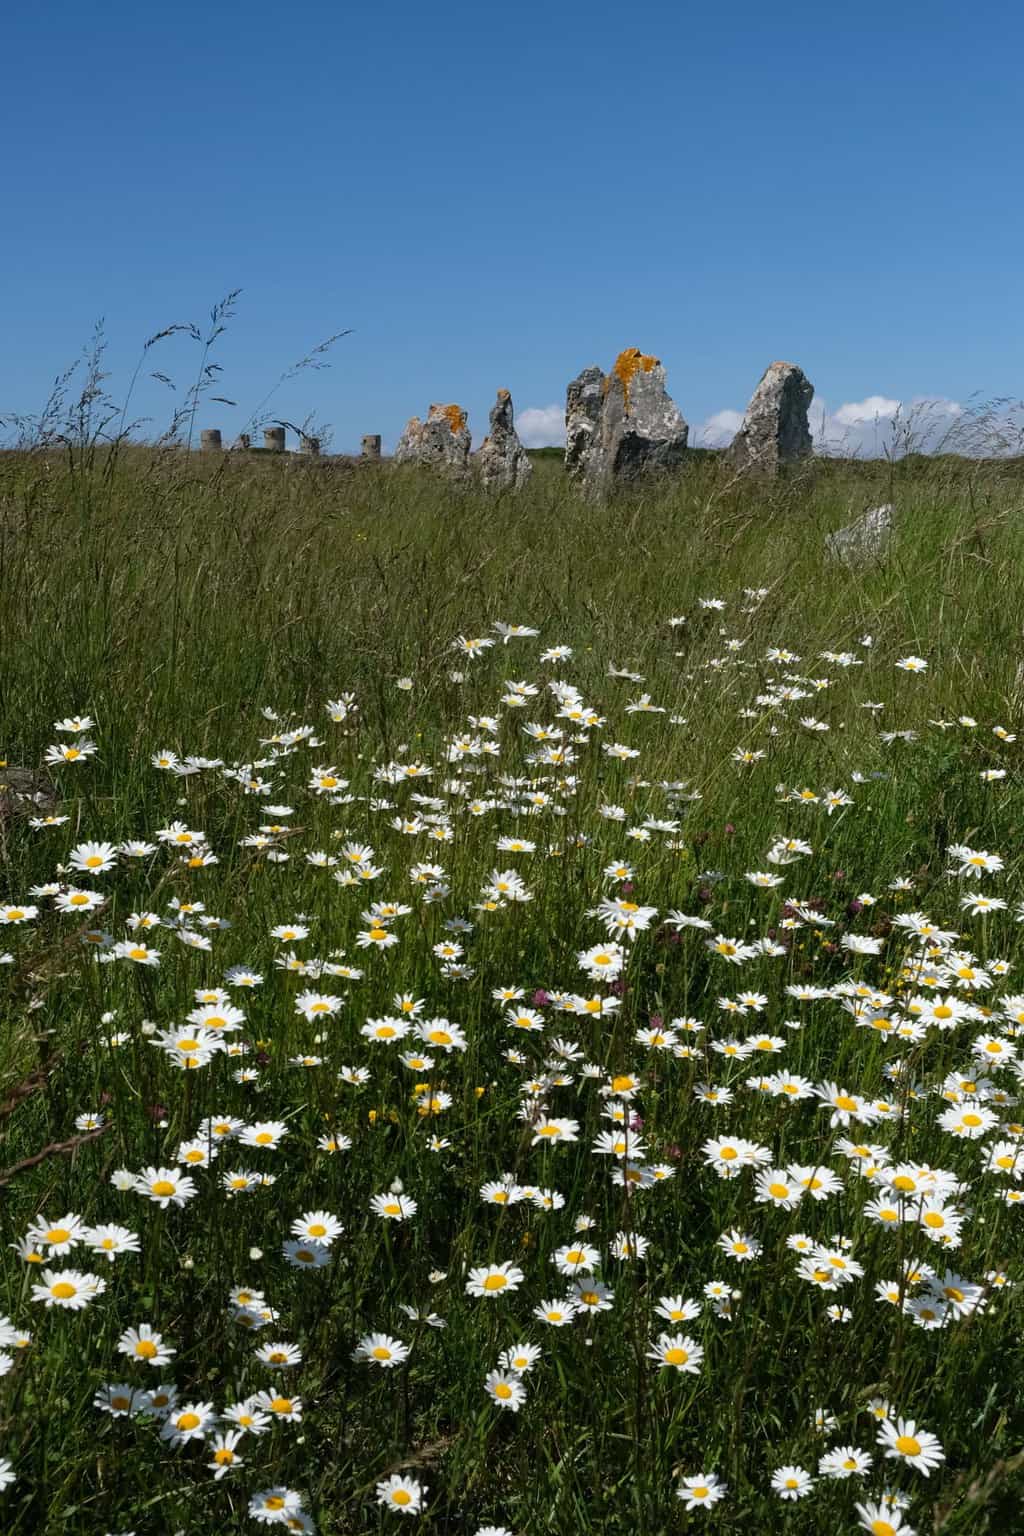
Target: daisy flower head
[189,1422]
[120,1400]
[592,1296]
[279,1356]
[791,1483]
[576,1258]
[267,1134]
[16,912]
[223,1454]
[902,1440]
[506,1389]
[401,1495]
[393,1207]
[58,1237]
[492,1280]
[677,1351]
[319,1227]
[286,1409]
[69,1289]
[701,1491]
[165,1186]
[274,1506]
[305,1255]
[146,1346]
[381,1349]
[844,1461]
[520,1358]
[883,1519]
[556,1313]
[739,1245]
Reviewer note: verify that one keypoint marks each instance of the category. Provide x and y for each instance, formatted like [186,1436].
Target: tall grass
[174,598]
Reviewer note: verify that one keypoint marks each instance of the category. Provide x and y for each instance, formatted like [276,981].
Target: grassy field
[417,963]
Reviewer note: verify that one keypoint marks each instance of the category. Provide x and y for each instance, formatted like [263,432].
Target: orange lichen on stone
[626,367]
[455,416]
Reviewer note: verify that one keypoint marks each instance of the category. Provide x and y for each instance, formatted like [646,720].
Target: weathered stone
[622,425]
[371,446]
[774,431]
[210,440]
[441,442]
[502,460]
[273,439]
[864,539]
[25,792]
[584,401]
[642,428]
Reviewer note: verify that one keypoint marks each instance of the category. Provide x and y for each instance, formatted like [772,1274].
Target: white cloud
[865,428]
[871,409]
[719,430]
[541,426]
[878,426]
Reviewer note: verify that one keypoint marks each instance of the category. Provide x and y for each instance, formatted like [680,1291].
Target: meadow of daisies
[511,1012]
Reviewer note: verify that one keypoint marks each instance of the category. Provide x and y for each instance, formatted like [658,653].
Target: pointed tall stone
[584,402]
[502,460]
[441,442]
[775,431]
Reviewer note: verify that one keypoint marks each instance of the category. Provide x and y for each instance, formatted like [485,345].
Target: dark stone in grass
[25,792]
[775,431]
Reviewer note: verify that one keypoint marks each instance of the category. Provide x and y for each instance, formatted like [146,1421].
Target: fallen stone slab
[864,539]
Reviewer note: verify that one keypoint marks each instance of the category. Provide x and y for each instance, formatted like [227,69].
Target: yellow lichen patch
[453,414]
[626,367]
[503,394]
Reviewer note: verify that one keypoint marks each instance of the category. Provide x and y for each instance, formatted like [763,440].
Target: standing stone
[775,430]
[371,445]
[441,442]
[244,441]
[503,462]
[273,439]
[210,440]
[584,400]
[642,428]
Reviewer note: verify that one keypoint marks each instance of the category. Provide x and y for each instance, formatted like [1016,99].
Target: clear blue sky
[498,195]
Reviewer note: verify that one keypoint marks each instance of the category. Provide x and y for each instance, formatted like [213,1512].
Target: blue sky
[499,195]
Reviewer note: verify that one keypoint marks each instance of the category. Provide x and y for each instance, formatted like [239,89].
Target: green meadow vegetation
[568,1083]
